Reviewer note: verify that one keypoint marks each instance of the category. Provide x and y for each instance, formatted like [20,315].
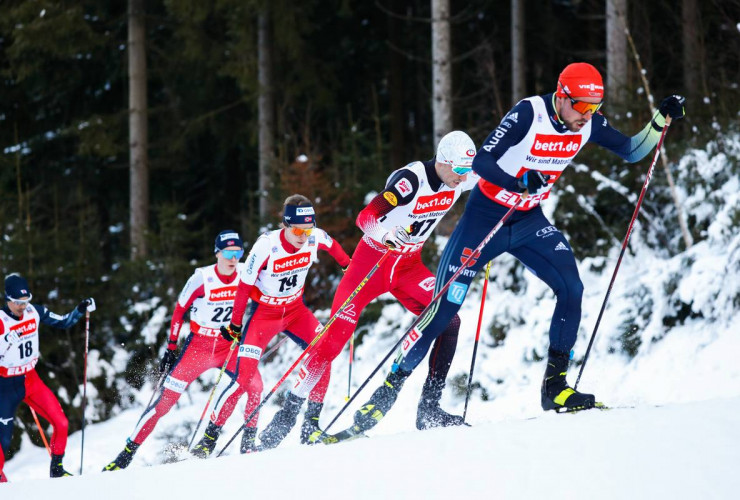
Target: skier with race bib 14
[398,220]
[274,278]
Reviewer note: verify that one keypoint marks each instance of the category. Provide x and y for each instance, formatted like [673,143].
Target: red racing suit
[274,279]
[414,197]
[209,296]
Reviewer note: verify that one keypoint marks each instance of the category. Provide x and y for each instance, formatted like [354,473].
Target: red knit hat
[580,80]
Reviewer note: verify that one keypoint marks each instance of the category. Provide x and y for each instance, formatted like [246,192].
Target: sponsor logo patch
[25,328]
[556,146]
[411,339]
[547,231]
[456,293]
[222,294]
[434,202]
[390,198]
[467,252]
[403,187]
[304,211]
[428,284]
[175,385]
[561,246]
[249,351]
[292,262]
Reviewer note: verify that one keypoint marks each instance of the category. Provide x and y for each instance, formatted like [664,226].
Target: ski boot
[57,469]
[124,458]
[282,423]
[310,432]
[429,414]
[381,401]
[207,443]
[248,440]
[556,393]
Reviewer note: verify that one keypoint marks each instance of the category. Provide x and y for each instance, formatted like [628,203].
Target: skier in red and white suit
[399,219]
[209,296]
[274,278]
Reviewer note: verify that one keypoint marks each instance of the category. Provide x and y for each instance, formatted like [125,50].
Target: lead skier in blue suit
[528,151]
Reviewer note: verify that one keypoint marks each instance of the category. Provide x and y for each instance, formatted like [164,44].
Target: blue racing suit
[530,137]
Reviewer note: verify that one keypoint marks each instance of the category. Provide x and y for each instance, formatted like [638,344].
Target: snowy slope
[681,374]
[675,451]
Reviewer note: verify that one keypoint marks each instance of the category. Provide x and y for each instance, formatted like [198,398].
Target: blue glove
[534,181]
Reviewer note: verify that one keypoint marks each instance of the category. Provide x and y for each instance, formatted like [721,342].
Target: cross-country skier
[19,353]
[209,296]
[274,278]
[528,151]
[399,219]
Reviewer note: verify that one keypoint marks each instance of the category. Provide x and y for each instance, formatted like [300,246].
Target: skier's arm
[329,244]
[192,290]
[58,321]
[256,261]
[635,148]
[510,132]
[631,149]
[399,191]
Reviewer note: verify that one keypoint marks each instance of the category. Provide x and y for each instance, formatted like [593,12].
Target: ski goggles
[21,302]
[299,232]
[582,107]
[461,170]
[230,254]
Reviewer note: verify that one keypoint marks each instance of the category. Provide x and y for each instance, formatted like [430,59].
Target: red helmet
[580,80]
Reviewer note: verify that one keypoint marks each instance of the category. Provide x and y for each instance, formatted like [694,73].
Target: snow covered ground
[679,375]
[675,451]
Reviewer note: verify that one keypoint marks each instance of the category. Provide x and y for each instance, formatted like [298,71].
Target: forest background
[349,97]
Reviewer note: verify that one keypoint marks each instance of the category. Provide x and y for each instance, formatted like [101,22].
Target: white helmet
[456,149]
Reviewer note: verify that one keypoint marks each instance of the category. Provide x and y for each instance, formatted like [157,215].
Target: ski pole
[477,337]
[624,246]
[213,391]
[41,431]
[351,360]
[84,386]
[308,348]
[471,258]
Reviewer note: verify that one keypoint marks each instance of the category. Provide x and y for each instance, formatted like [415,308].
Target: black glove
[534,181]
[167,361]
[231,332]
[673,106]
[86,304]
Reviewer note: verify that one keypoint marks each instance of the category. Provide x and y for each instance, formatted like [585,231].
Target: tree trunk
[616,53]
[266,111]
[692,53]
[518,53]
[139,162]
[441,69]
[396,77]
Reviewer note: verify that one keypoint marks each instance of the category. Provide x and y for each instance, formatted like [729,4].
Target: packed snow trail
[675,451]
